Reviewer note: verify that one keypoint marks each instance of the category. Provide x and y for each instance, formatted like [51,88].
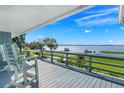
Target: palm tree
[41,44]
[41,47]
[27,46]
[37,45]
[20,41]
[33,45]
[51,43]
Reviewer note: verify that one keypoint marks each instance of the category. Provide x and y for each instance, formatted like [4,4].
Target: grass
[22,53]
[116,69]
[111,52]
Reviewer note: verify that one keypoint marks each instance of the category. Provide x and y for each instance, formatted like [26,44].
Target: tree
[37,45]
[20,41]
[41,44]
[27,46]
[33,45]
[51,43]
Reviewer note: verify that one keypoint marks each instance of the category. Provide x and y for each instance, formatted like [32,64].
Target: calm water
[92,48]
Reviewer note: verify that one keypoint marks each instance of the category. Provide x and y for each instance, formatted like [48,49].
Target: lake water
[93,48]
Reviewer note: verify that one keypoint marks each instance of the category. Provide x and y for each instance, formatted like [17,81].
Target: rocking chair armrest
[28,65]
[28,58]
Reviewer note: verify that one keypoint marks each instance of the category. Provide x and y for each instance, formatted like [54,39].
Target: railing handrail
[91,55]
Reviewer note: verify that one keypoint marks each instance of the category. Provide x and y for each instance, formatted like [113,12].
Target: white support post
[24,73]
[16,73]
[36,73]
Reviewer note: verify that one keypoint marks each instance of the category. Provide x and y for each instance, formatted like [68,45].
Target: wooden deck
[53,76]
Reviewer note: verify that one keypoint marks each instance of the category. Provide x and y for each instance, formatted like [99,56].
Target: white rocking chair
[23,74]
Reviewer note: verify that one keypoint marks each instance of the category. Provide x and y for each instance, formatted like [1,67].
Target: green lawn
[109,67]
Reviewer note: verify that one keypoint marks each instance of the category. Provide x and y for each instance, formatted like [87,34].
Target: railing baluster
[51,56]
[66,59]
[90,64]
[42,54]
[79,61]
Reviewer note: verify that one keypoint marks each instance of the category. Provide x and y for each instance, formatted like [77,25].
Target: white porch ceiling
[19,19]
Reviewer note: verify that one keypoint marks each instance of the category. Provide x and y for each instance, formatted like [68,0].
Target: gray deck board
[114,85]
[53,76]
[108,84]
[83,82]
[120,86]
[78,81]
[57,82]
[67,80]
[88,82]
[103,84]
[72,81]
[98,83]
[92,84]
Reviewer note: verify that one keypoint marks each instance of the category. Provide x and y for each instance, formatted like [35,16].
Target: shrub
[60,59]
[37,53]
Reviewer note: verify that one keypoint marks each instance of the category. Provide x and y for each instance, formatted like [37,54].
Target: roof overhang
[19,19]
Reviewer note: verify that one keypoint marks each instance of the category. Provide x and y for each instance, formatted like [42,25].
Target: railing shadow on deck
[86,67]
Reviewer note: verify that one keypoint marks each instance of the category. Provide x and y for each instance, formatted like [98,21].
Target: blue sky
[95,26]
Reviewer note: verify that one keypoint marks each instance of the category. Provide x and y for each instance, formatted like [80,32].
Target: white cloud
[111,10]
[95,18]
[110,41]
[87,31]
[39,37]
[106,30]
[66,31]
[70,42]
[91,16]
[81,40]
[115,42]
[101,21]
[122,28]
[53,35]
[99,14]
